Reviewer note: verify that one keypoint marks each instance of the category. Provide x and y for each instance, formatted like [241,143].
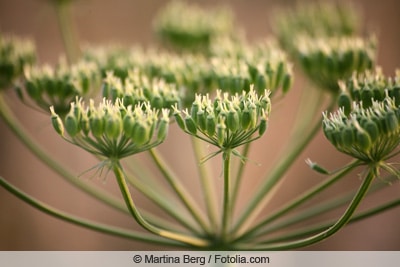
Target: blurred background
[130,23]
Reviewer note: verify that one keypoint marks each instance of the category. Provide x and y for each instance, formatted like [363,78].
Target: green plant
[220,90]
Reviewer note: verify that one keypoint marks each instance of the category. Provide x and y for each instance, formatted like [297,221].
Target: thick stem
[226,210]
[189,240]
[63,12]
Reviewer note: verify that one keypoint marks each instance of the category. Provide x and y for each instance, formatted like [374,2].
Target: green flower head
[228,121]
[112,130]
[15,55]
[59,86]
[371,134]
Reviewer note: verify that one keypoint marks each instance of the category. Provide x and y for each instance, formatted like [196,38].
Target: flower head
[369,134]
[15,55]
[111,129]
[228,121]
[59,86]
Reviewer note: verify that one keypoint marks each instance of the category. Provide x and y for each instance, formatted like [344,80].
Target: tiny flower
[228,121]
[112,130]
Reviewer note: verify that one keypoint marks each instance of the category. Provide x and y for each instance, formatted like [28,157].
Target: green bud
[56,122]
[96,125]
[140,133]
[179,120]
[395,94]
[190,125]
[366,98]
[287,83]
[71,124]
[162,130]
[201,120]
[391,122]
[210,125]
[372,129]
[363,140]
[112,127]
[221,128]
[85,126]
[348,137]
[127,124]
[263,126]
[344,102]
[232,120]
[246,119]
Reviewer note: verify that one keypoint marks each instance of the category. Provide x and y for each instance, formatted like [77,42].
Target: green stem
[226,212]
[184,196]
[102,228]
[320,227]
[189,240]
[26,139]
[160,200]
[239,176]
[63,12]
[271,179]
[333,228]
[206,182]
[299,200]
[320,209]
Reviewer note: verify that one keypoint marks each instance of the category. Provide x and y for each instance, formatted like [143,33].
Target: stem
[271,179]
[226,212]
[300,199]
[205,178]
[26,139]
[180,190]
[102,228]
[63,12]
[239,175]
[319,209]
[160,200]
[120,176]
[333,228]
[320,227]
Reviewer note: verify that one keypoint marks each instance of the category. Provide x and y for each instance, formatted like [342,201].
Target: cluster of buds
[111,129]
[369,134]
[328,60]
[15,55]
[200,28]
[228,121]
[316,19]
[137,88]
[59,86]
[366,87]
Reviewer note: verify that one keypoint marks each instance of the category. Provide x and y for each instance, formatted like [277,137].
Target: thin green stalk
[333,228]
[184,196]
[226,210]
[63,13]
[166,204]
[208,189]
[26,139]
[271,179]
[239,174]
[301,233]
[319,209]
[300,199]
[102,228]
[189,240]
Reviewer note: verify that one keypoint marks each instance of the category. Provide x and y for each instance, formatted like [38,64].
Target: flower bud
[162,130]
[366,98]
[96,122]
[56,122]
[140,133]
[344,102]
[190,125]
[363,140]
[372,129]
[263,126]
[221,128]
[201,120]
[232,120]
[112,126]
[210,125]
[71,124]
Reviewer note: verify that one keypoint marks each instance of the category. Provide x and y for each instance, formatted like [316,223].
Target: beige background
[129,22]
